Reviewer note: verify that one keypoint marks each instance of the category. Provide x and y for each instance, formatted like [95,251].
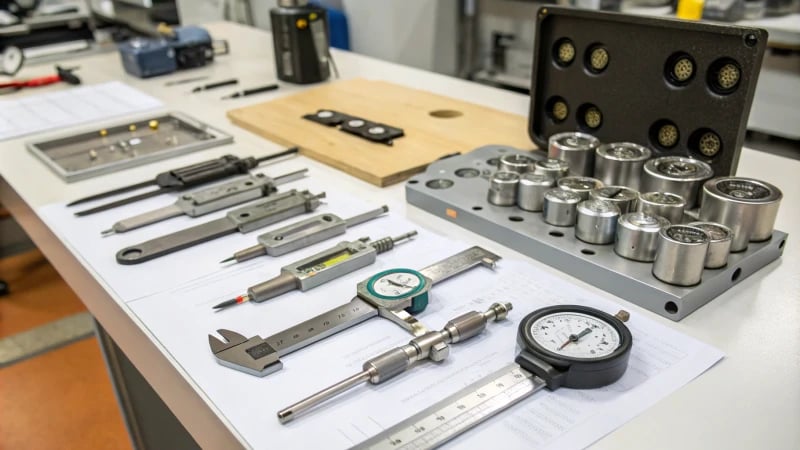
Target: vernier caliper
[248,218]
[208,200]
[327,265]
[394,294]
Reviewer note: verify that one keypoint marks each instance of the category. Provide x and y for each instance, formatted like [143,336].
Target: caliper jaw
[254,356]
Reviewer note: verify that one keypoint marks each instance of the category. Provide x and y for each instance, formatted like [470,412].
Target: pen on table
[246,92]
[215,85]
[185,80]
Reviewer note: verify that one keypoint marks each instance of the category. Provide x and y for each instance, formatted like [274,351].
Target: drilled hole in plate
[493,162]
[440,183]
[468,172]
[516,219]
[248,183]
[556,234]
[736,274]
[477,208]
[244,215]
[132,253]
[783,242]
[587,251]
[413,181]
[445,113]
[671,307]
[327,218]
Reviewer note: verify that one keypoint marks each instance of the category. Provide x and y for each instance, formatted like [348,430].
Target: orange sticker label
[451,213]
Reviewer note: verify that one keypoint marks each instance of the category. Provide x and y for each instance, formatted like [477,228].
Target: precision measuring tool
[208,200]
[181,178]
[432,345]
[394,294]
[562,346]
[316,229]
[327,265]
[248,218]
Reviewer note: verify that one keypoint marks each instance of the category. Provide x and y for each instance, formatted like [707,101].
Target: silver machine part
[258,356]
[577,149]
[677,175]
[553,168]
[597,265]
[272,210]
[503,188]
[625,198]
[719,243]
[516,163]
[637,235]
[621,163]
[210,199]
[579,185]
[747,206]
[665,204]
[596,222]
[560,207]
[433,345]
[531,189]
[681,255]
[458,413]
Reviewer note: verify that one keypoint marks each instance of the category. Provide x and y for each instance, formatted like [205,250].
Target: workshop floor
[61,398]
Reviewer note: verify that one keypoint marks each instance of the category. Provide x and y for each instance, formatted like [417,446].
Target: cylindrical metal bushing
[677,175]
[580,185]
[621,163]
[719,244]
[745,205]
[516,163]
[597,221]
[577,149]
[681,255]
[625,198]
[554,168]
[503,188]
[560,207]
[531,189]
[664,204]
[637,235]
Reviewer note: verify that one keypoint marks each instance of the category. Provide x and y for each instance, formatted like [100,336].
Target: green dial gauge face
[575,335]
[396,284]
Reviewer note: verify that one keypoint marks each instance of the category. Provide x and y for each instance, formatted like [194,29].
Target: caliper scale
[562,346]
[395,294]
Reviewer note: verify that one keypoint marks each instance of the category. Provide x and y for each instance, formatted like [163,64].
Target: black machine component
[177,48]
[687,92]
[372,131]
[300,37]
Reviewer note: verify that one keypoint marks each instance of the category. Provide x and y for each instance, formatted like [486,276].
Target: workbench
[751,399]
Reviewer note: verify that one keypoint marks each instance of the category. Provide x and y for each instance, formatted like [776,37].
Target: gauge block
[678,87]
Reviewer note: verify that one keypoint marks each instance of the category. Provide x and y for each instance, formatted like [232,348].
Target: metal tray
[115,147]
[455,188]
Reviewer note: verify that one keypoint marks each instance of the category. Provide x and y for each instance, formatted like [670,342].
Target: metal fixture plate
[463,201]
[88,154]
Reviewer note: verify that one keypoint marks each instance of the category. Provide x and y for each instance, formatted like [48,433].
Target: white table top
[749,400]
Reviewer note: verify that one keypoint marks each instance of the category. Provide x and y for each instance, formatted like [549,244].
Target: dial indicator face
[396,284]
[575,335]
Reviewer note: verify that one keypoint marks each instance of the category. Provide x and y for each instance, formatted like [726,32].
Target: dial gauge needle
[395,283]
[575,337]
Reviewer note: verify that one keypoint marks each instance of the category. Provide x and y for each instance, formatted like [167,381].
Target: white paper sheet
[662,361]
[83,104]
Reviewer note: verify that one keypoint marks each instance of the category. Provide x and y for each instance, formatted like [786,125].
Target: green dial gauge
[398,285]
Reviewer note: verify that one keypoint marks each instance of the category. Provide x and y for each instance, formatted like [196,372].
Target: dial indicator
[575,335]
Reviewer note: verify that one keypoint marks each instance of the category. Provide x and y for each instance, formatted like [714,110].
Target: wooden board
[427,138]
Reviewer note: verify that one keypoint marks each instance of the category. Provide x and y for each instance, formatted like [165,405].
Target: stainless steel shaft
[432,345]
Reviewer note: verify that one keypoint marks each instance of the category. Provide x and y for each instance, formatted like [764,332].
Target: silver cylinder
[580,185]
[747,206]
[516,163]
[531,189]
[681,255]
[577,149]
[664,204]
[560,207]
[621,163]
[503,188]
[554,168]
[677,175]
[719,243]
[596,222]
[637,236]
[625,198]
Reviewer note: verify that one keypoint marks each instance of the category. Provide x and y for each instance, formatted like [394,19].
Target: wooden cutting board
[427,137]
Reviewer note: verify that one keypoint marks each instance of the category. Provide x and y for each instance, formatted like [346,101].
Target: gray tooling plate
[444,191]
